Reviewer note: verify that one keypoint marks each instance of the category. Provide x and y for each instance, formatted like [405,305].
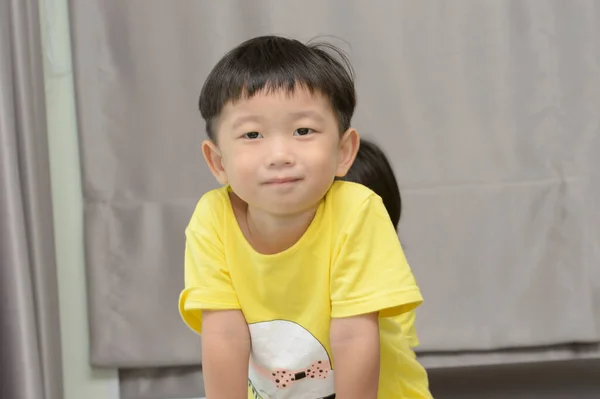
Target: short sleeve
[207,280]
[369,272]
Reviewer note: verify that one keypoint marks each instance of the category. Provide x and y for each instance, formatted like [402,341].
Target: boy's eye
[303,131]
[252,135]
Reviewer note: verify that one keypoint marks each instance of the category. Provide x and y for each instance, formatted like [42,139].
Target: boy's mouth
[282,180]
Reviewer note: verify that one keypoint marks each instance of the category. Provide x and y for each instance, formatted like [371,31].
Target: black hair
[276,63]
[371,168]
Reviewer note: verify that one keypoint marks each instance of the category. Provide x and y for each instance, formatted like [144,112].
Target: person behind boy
[291,277]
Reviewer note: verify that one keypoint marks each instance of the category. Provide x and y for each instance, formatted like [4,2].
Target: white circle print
[288,362]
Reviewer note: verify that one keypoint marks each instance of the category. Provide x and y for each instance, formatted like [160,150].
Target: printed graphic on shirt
[288,362]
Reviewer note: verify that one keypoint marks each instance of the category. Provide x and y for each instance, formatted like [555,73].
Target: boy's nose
[280,158]
[280,154]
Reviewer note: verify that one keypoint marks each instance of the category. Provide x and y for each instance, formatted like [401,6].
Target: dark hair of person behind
[371,168]
[275,63]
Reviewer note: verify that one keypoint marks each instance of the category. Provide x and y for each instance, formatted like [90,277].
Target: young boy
[295,282]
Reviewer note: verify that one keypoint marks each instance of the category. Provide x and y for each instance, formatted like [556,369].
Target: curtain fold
[30,347]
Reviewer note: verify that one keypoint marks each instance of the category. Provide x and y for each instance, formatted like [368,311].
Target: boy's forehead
[298,101]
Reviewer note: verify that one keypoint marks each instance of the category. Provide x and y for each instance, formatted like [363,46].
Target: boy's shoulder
[216,196]
[348,201]
[211,205]
[349,194]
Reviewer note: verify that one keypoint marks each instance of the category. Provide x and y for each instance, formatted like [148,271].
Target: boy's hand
[225,354]
[355,349]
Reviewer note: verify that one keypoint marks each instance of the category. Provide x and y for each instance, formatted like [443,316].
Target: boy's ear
[214,160]
[349,144]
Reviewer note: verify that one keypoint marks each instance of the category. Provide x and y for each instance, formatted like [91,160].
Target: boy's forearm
[225,355]
[355,350]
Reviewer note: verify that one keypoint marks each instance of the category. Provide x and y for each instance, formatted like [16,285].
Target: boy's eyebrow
[308,114]
[293,116]
[245,118]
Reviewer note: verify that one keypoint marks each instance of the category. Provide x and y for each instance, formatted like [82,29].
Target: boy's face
[280,152]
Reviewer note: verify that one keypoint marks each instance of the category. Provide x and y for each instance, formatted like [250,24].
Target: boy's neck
[268,233]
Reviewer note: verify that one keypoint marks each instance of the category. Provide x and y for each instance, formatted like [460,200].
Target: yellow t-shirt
[348,262]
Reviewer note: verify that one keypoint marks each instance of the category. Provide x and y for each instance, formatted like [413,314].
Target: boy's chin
[287,209]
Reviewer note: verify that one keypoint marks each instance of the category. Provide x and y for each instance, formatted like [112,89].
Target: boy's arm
[370,279]
[209,303]
[225,354]
[355,350]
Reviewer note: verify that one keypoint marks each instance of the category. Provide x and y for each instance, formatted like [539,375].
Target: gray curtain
[488,110]
[30,347]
